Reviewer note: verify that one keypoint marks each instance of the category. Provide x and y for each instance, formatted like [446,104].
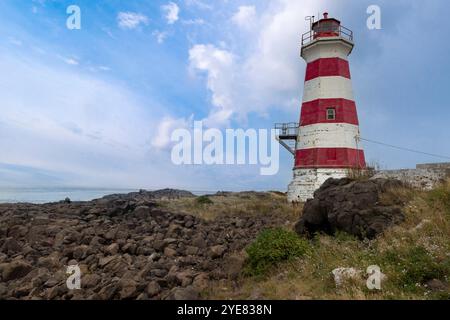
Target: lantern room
[326,27]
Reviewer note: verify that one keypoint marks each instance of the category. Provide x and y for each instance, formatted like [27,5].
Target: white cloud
[131,20]
[162,137]
[160,35]
[194,22]
[199,4]
[268,74]
[245,16]
[171,10]
[71,61]
[218,65]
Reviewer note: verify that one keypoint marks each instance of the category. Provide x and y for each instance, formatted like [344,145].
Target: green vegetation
[204,200]
[411,256]
[272,247]
[440,197]
[415,266]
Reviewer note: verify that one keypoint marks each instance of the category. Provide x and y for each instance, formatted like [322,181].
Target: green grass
[413,267]
[440,197]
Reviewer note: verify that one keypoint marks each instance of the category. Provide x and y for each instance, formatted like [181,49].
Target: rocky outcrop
[125,246]
[350,206]
[144,195]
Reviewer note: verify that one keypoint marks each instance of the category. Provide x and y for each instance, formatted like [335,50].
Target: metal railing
[287,135]
[341,32]
[287,130]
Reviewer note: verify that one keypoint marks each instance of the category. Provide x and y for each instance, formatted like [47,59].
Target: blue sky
[94,107]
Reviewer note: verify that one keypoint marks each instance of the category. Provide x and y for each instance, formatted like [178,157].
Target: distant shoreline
[46,195]
[49,195]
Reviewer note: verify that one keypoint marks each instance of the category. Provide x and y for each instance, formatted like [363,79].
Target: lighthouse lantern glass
[326,28]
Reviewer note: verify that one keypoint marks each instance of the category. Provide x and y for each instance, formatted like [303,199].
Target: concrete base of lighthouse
[307,181]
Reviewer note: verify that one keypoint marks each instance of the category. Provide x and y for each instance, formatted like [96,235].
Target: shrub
[271,247]
[204,200]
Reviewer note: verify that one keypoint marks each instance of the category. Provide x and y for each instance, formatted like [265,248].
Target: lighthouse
[327,137]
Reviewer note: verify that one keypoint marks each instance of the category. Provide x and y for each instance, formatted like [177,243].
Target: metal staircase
[287,135]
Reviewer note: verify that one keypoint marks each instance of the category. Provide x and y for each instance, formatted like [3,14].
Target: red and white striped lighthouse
[328,137]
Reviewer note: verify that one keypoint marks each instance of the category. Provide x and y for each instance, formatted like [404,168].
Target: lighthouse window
[331,114]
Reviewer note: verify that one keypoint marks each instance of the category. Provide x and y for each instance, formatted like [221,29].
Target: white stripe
[328,135]
[326,49]
[328,88]
[307,181]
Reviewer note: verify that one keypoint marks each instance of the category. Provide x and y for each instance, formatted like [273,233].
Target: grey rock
[112,249]
[217,251]
[153,288]
[11,246]
[350,206]
[108,292]
[14,270]
[186,294]
[128,289]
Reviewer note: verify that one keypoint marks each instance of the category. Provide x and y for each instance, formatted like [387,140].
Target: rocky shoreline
[126,247]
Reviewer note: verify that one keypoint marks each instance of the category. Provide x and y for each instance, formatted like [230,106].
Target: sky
[95,107]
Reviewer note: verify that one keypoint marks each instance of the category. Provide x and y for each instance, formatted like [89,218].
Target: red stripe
[325,35]
[327,67]
[316,111]
[330,158]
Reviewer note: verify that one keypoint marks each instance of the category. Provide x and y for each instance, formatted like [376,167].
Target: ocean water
[45,195]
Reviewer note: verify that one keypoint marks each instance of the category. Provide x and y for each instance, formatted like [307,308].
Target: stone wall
[424,177]
[442,168]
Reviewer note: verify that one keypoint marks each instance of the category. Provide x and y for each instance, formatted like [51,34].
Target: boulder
[184,278]
[112,249]
[191,250]
[201,281]
[14,270]
[188,293]
[169,252]
[217,251]
[108,292]
[128,289]
[90,281]
[142,212]
[351,206]
[11,246]
[153,288]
